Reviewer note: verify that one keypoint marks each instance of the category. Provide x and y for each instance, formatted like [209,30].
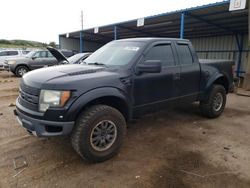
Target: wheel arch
[107,96]
[23,65]
[15,71]
[220,79]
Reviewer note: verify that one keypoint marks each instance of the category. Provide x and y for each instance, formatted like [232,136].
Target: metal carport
[205,22]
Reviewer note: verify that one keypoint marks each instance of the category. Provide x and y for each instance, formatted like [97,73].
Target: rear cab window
[162,52]
[184,54]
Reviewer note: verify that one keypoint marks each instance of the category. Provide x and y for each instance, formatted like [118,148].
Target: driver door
[153,90]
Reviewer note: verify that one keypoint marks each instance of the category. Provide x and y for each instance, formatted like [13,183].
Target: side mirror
[34,57]
[149,66]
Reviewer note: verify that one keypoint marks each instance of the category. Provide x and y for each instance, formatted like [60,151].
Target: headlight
[11,62]
[52,98]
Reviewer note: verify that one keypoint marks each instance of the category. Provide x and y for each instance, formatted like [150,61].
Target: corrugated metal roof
[201,21]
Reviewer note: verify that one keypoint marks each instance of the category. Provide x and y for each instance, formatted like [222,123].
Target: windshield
[115,53]
[75,58]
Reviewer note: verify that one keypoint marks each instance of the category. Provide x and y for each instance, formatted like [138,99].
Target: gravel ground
[172,148]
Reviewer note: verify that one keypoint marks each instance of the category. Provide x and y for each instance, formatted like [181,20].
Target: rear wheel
[98,133]
[215,104]
[21,70]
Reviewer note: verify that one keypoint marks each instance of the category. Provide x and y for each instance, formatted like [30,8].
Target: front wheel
[215,104]
[21,70]
[98,133]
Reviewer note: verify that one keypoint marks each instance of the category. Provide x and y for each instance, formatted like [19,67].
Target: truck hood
[59,75]
[57,54]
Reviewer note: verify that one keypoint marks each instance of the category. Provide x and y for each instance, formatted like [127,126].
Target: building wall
[70,44]
[221,47]
[74,44]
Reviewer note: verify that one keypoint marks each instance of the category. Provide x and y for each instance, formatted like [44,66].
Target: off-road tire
[86,122]
[207,107]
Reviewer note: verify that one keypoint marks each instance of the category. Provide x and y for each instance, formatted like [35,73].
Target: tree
[53,44]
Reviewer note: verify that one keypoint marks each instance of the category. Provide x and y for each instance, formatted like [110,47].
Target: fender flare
[77,106]
[211,81]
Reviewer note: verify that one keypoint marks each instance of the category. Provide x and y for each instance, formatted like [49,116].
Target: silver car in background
[6,54]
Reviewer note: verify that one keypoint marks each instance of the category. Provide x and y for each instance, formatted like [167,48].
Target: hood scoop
[89,71]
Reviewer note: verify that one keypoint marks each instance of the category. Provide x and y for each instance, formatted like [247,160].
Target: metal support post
[246,83]
[182,25]
[239,41]
[59,41]
[81,41]
[115,32]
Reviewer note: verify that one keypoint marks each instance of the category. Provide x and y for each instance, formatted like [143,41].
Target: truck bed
[224,66]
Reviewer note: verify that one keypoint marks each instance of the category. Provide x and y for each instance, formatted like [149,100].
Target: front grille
[29,97]
[29,89]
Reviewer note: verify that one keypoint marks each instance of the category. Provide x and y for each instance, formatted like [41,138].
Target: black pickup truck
[122,80]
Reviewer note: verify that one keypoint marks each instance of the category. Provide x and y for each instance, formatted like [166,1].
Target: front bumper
[6,67]
[43,128]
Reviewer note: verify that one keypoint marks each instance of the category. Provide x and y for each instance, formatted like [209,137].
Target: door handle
[176,76]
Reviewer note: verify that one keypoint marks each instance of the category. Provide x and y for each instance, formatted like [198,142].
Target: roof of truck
[152,39]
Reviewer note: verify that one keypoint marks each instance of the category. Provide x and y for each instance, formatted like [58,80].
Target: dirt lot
[173,148]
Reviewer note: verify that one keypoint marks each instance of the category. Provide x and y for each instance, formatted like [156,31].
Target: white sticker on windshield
[132,48]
